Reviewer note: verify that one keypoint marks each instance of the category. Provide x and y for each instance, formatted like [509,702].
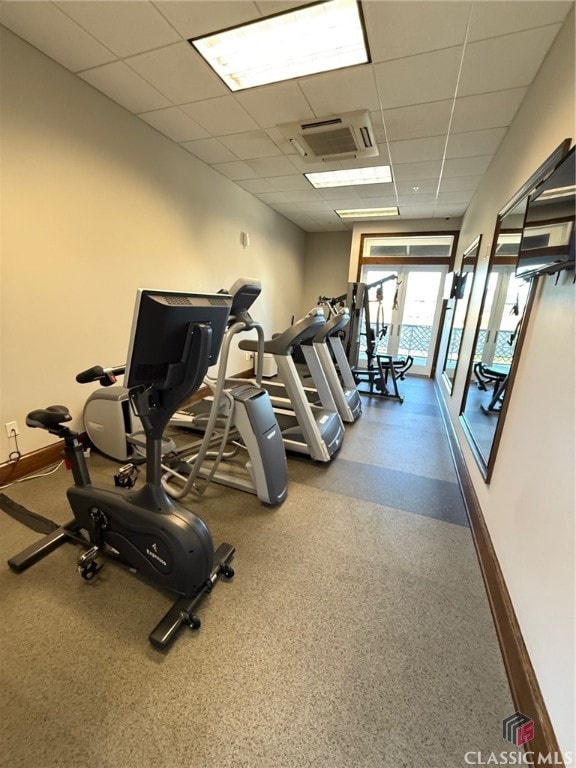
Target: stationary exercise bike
[175,338]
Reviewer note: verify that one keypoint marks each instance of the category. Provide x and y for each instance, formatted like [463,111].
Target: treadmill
[326,348]
[326,365]
[315,430]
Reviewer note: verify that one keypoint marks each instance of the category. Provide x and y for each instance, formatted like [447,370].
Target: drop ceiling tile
[342,91]
[256,185]
[373,202]
[269,7]
[416,171]
[474,143]
[375,190]
[501,17]
[235,170]
[281,141]
[45,27]
[179,73]
[309,208]
[447,198]
[416,101]
[220,116]
[175,124]
[250,145]
[486,110]
[271,197]
[400,29]
[467,166]
[302,196]
[326,218]
[338,193]
[504,62]
[418,150]
[124,86]
[272,166]
[346,205]
[458,183]
[418,121]
[198,18]
[289,183]
[416,200]
[300,219]
[423,212]
[124,28]
[210,151]
[418,79]
[425,186]
[271,105]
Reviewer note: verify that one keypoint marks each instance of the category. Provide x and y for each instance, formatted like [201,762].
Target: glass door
[405,314]
[505,300]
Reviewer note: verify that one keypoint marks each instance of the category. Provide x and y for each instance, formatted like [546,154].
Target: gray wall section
[325,266]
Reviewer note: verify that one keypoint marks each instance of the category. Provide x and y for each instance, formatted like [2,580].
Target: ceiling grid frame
[493,24]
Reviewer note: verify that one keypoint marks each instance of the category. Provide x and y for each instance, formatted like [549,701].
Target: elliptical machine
[237,421]
[175,338]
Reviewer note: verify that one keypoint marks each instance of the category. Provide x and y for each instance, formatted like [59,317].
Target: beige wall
[530,502]
[326,266]
[95,203]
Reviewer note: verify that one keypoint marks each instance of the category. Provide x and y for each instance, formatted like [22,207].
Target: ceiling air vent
[338,137]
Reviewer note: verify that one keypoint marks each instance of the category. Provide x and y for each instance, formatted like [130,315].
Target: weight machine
[382,371]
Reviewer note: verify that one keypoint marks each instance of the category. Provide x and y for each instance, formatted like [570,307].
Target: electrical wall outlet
[12,428]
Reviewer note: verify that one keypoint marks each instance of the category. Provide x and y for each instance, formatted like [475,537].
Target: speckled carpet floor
[355,634]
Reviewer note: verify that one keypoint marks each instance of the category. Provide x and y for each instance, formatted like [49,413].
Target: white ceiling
[445,82]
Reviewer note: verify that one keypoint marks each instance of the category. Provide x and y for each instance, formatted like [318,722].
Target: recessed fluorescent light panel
[368,213]
[317,38]
[376,175]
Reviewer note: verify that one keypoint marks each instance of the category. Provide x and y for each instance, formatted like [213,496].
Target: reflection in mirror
[505,301]
[547,244]
[499,334]
[460,310]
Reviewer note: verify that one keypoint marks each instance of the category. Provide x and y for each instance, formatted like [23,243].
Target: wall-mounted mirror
[456,315]
[501,325]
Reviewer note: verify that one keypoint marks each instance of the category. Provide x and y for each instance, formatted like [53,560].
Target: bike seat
[48,418]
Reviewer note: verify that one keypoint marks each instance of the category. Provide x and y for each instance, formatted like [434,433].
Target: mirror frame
[476,245]
[486,466]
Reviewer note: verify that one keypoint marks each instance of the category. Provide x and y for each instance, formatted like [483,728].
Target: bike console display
[161,331]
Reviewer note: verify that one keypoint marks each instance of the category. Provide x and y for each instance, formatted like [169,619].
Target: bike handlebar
[106,376]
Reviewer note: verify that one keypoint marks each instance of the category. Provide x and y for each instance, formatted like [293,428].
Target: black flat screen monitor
[547,244]
[160,330]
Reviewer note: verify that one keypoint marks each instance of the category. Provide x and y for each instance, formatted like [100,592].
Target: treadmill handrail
[333,325]
[282,343]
